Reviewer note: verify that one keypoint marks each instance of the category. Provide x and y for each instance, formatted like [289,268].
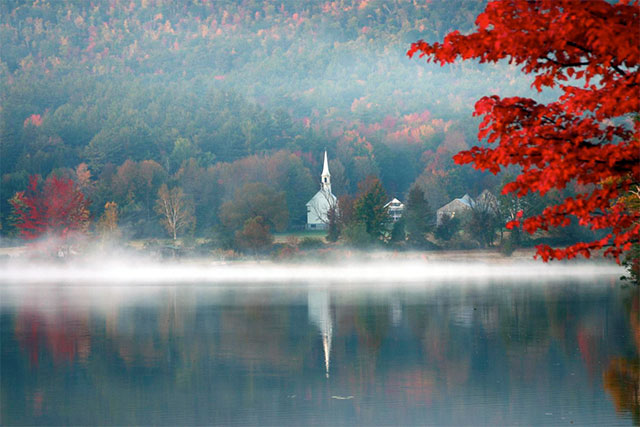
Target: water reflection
[454,355]
[318,303]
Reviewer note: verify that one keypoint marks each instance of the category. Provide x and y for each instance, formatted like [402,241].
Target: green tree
[419,216]
[253,200]
[287,173]
[201,186]
[133,187]
[449,225]
[398,232]
[355,234]
[333,223]
[183,150]
[370,211]
[482,225]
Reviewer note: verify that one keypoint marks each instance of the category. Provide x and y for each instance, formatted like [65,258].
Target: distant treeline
[207,96]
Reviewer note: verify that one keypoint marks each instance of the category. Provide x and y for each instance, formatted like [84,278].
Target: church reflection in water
[318,304]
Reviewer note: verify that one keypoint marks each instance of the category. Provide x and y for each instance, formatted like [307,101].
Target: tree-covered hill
[104,82]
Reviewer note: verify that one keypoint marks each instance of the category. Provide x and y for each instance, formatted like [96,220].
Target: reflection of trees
[446,348]
[258,335]
[634,317]
[622,381]
[65,335]
[622,377]
[371,323]
[245,350]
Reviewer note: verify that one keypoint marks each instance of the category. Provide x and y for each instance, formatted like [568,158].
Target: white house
[395,208]
[319,205]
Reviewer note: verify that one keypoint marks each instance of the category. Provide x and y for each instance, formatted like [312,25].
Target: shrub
[307,243]
[356,235]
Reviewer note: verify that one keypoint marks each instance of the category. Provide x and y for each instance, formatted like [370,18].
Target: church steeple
[326,176]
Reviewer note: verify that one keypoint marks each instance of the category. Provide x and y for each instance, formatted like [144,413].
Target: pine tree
[370,210]
[419,217]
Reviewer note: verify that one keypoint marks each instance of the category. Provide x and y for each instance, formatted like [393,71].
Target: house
[455,207]
[395,208]
[320,204]
[486,201]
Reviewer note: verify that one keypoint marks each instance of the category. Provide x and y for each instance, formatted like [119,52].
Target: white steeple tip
[326,346]
[325,168]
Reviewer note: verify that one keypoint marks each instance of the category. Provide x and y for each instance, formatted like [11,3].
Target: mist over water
[379,270]
[355,338]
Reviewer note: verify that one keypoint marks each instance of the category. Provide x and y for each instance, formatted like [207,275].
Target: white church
[319,205]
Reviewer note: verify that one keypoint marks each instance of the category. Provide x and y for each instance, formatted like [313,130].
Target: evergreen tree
[333,224]
[449,225]
[419,217]
[370,210]
[398,232]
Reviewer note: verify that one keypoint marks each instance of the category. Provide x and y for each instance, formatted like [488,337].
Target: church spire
[326,176]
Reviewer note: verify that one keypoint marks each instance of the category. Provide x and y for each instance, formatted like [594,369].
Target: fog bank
[376,271]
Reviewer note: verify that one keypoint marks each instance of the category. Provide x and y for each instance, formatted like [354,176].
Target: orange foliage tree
[587,137]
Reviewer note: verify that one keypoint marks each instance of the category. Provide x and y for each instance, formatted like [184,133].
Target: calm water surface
[500,353]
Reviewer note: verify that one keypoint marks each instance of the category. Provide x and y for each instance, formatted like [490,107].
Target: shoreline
[332,253]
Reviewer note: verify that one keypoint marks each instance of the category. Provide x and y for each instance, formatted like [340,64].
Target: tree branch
[566,64]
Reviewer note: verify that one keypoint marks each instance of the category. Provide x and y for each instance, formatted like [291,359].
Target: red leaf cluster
[56,208]
[34,119]
[589,137]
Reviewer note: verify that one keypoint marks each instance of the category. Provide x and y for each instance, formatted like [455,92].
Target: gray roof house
[455,207]
[485,201]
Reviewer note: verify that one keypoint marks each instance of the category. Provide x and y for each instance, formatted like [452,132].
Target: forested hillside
[208,95]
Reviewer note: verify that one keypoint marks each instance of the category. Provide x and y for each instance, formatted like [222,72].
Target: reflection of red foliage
[57,208]
[28,330]
[65,337]
[590,350]
[412,386]
[586,135]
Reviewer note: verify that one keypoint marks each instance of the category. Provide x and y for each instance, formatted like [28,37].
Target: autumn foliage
[56,208]
[588,138]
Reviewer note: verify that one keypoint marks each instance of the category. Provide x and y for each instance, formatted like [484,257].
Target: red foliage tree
[588,137]
[57,208]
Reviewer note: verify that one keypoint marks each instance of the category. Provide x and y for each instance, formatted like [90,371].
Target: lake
[369,344]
